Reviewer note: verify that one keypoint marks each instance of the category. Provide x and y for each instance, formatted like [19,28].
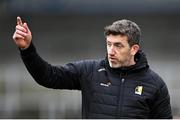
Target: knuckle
[17,27]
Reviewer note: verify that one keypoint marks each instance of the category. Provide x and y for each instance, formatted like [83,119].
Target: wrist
[24,48]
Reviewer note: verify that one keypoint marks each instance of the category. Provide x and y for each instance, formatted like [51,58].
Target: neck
[131,62]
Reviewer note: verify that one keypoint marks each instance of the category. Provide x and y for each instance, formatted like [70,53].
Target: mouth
[112,59]
[112,62]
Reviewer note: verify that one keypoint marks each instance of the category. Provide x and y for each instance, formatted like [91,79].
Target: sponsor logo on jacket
[139,90]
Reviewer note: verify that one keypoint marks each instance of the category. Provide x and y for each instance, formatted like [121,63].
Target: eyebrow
[116,43]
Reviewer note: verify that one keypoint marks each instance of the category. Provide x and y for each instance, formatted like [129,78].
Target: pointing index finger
[19,21]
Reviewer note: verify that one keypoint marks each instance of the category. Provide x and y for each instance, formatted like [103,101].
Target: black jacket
[129,92]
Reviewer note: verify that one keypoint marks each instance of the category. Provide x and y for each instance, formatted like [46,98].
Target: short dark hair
[125,27]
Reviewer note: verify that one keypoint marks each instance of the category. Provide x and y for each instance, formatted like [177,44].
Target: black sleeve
[47,75]
[161,108]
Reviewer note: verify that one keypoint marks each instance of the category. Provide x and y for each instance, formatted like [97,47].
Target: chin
[112,65]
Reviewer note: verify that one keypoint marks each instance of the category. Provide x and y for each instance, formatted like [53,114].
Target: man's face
[119,52]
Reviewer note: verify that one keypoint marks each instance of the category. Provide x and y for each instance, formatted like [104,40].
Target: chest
[121,91]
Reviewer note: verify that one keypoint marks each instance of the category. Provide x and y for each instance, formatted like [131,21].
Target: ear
[134,49]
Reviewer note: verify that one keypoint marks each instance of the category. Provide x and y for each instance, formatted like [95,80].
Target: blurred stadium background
[71,30]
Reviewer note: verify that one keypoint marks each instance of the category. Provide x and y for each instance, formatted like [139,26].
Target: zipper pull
[122,80]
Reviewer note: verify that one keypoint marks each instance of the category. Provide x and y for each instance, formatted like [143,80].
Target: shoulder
[156,84]
[156,79]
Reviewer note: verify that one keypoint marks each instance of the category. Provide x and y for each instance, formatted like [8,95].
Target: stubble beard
[114,64]
[118,64]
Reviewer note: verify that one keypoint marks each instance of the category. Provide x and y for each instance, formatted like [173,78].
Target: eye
[108,44]
[118,45]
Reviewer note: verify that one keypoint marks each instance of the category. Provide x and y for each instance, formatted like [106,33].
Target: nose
[111,50]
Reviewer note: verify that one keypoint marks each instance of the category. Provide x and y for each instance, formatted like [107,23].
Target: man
[120,86]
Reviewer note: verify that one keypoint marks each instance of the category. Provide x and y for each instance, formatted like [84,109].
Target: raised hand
[22,35]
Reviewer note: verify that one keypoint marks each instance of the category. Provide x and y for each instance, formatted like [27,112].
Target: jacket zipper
[121,95]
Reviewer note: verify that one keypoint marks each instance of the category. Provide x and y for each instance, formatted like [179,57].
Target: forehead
[117,38]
